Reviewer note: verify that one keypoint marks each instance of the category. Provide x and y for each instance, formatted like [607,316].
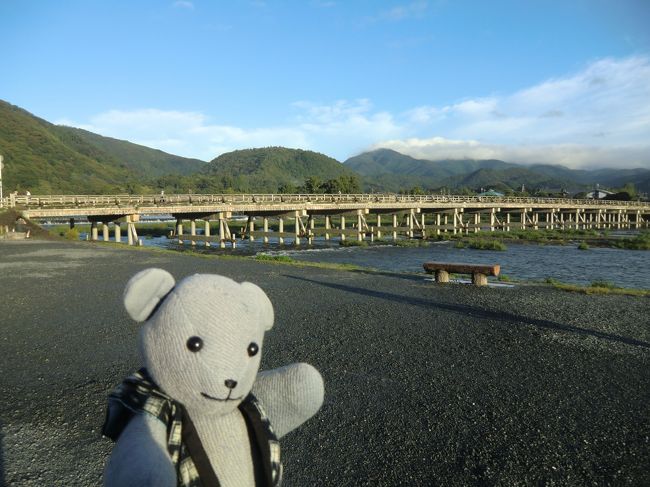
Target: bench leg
[479,279]
[442,276]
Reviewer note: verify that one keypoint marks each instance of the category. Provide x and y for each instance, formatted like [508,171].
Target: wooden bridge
[368,216]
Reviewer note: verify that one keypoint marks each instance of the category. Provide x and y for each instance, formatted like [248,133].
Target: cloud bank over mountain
[597,116]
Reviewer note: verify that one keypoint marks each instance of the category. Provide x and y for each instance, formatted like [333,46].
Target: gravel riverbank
[425,384]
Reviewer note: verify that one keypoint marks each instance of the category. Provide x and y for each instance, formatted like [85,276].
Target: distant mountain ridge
[45,158]
[389,170]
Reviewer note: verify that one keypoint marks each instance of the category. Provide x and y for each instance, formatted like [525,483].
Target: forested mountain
[142,160]
[45,158]
[273,169]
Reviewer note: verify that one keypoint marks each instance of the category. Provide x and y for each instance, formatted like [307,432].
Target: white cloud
[598,116]
[184,4]
[402,12]
[339,129]
[571,155]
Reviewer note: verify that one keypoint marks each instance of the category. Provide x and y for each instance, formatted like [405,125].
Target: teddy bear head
[201,341]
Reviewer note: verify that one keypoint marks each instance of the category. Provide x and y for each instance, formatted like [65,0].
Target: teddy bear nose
[231,384]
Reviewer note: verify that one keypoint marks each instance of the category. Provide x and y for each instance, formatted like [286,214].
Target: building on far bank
[597,194]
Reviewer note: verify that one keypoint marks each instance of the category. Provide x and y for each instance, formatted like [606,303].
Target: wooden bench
[479,272]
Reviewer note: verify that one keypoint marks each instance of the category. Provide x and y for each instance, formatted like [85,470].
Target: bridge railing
[120,200]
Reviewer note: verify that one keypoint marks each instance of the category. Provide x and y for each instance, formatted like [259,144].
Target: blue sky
[526,81]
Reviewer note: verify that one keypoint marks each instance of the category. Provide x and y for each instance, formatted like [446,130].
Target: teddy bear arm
[290,395]
[140,457]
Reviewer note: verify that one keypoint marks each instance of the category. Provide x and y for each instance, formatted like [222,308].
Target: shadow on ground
[481,313]
[2,459]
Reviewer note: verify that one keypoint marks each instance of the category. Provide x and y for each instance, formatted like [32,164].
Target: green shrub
[71,234]
[273,258]
[488,245]
[583,246]
[604,284]
[353,243]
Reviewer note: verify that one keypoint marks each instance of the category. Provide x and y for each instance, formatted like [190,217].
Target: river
[528,262]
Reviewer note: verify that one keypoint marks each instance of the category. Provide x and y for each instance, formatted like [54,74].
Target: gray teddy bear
[199,413]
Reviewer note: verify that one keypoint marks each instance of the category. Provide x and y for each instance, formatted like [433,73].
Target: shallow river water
[530,262]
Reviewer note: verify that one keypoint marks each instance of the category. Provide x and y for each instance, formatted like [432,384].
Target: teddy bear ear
[145,290]
[262,302]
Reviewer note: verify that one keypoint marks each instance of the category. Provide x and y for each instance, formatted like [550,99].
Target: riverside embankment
[425,384]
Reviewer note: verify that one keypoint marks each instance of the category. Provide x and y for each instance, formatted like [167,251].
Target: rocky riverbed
[425,384]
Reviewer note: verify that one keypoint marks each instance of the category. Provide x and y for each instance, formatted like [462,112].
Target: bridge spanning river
[307,216]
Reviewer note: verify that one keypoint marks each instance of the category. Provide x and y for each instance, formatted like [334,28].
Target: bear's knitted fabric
[138,394]
[201,342]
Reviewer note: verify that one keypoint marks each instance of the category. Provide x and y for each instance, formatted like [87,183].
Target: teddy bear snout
[230,384]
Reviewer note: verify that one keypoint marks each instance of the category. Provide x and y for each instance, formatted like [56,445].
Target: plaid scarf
[138,394]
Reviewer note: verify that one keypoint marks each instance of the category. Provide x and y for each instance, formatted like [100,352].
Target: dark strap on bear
[199,457]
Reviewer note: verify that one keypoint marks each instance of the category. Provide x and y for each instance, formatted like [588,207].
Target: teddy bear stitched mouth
[208,396]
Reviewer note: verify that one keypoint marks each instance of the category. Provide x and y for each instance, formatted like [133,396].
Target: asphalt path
[425,384]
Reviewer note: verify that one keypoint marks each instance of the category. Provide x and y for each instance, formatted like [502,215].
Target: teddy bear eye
[253,348]
[194,344]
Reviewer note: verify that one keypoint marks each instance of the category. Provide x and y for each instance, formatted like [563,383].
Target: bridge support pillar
[251,228]
[179,230]
[438,218]
[477,222]
[193,231]
[394,226]
[311,225]
[105,233]
[281,230]
[131,232]
[223,225]
[265,226]
[378,225]
[206,230]
[328,225]
[342,228]
[297,228]
[507,229]
[359,226]
[93,231]
[118,232]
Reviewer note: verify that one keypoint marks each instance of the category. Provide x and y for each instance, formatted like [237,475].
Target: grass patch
[274,258]
[597,287]
[487,244]
[640,242]
[353,243]
[583,246]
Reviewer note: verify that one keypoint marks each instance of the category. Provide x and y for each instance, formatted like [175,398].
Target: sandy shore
[425,384]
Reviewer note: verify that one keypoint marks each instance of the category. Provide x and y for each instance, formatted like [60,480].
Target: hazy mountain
[45,158]
[387,169]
